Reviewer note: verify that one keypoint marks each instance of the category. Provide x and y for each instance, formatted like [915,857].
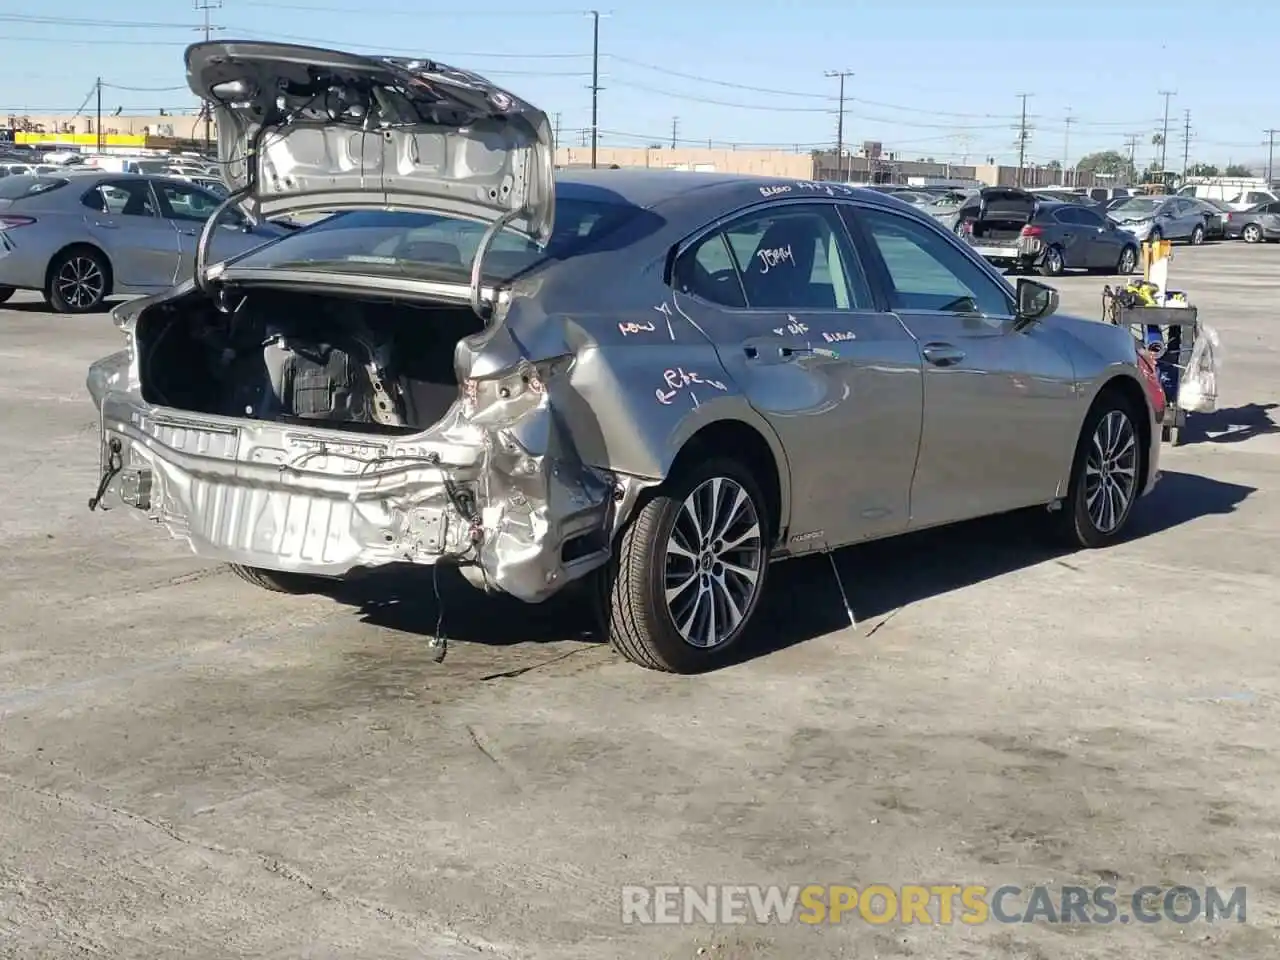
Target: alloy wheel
[1111,471]
[1128,260]
[715,557]
[80,282]
[1252,234]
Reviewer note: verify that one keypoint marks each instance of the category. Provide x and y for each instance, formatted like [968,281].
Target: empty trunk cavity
[366,364]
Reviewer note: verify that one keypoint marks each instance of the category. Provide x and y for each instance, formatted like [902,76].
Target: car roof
[643,187]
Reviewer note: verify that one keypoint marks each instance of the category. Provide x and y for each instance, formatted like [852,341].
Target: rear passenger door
[1071,235]
[787,304]
[123,218]
[1100,239]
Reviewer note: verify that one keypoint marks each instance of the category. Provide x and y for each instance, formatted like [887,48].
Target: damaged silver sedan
[659,380]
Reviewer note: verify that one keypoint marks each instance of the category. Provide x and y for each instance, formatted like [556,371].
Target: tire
[79,281]
[1155,236]
[1082,523]
[277,581]
[1197,235]
[638,619]
[6,293]
[1053,263]
[1252,233]
[1128,261]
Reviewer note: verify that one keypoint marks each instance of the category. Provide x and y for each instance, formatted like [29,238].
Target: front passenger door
[188,208]
[1000,417]
[788,307]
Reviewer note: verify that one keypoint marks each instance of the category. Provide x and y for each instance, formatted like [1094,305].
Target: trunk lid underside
[307,129]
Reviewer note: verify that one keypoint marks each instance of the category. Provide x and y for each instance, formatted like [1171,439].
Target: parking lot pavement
[191,766]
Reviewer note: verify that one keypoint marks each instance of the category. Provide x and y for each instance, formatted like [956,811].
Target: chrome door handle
[105,224]
[942,354]
[189,233]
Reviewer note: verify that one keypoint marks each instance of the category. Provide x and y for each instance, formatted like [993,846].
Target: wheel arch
[81,245]
[754,444]
[1126,385]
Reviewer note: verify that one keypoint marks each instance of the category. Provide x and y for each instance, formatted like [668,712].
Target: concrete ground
[193,767]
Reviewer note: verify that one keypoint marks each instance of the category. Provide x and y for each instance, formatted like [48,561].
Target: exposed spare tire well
[375,365]
[738,441]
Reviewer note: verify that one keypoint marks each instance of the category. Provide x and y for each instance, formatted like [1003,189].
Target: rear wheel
[1053,263]
[1105,474]
[278,581]
[689,570]
[6,293]
[1252,233]
[78,281]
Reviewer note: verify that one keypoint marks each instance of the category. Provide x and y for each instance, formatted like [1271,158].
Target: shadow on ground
[1230,426]
[803,599]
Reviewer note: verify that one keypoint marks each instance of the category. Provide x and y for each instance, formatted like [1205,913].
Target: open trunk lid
[1002,213]
[306,129]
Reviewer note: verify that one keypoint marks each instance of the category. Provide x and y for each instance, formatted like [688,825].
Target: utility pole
[842,74]
[675,131]
[595,85]
[1186,142]
[1164,134]
[1023,135]
[1271,150]
[1066,147]
[1131,143]
[97,124]
[206,7]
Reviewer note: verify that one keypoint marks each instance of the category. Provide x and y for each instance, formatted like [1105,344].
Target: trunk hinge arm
[477,262]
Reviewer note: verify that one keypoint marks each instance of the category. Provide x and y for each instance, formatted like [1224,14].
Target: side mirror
[1035,302]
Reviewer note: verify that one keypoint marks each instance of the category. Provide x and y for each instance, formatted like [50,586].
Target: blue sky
[931,78]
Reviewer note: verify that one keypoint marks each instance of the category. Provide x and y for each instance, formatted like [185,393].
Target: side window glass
[927,272]
[792,257]
[182,202]
[130,198]
[1068,215]
[708,271]
[1088,218]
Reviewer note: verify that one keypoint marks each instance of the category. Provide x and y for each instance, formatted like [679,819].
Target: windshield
[1138,206]
[430,246]
[15,188]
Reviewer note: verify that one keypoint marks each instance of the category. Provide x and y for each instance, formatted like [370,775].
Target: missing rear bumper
[264,494]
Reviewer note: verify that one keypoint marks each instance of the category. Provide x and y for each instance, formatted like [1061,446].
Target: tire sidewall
[56,300]
[1083,532]
[1054,263]
[674,649]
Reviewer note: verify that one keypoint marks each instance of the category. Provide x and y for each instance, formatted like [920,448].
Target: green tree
[1106,162]
[1238,170]
[1202,170]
